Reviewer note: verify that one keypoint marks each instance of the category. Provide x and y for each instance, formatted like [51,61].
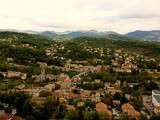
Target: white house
[156,101]
[156,98]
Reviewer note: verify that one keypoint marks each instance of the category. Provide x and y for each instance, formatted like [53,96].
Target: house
[102,110]
[71,96]
[97,80]
[80,104]
[37,78]
[48,51]
[131,112]
[118,83]
[116,102]
[58,93]
[62,100]
[157,110]
[118,50]
[76,79]
[128,96]
[156,101]
[62,77]
[65,84]
[20,87]
[31,91]
[96,97]
[98,69]
[10,59]
[51,77]
[115,63]
[131,85]
[41,77]
[13,74]
[50,87]
[113,90]
[156,98]
[70,108]
[38,100]
[85,94]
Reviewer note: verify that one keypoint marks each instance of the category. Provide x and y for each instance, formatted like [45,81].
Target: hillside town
[78,81]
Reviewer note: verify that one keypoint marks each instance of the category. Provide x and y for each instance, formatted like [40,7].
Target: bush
[45,93]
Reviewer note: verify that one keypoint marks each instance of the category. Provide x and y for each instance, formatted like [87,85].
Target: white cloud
[116,15]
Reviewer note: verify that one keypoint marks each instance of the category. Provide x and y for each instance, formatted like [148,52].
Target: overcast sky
[60,15]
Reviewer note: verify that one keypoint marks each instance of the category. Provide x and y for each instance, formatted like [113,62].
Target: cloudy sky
[60,15]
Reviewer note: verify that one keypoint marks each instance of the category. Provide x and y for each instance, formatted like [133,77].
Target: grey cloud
[139,16]
[116,15]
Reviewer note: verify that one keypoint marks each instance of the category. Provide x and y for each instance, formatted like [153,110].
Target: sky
[70,15]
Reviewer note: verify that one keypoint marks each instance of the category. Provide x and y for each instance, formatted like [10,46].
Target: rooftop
[157,97]
[156,91]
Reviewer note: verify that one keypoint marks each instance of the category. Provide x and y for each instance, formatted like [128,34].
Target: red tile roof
[129,109]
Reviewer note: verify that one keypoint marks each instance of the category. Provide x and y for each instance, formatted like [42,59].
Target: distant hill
[26,38]
[148,35]
[148,48]
[110,41]
[52,34]
[91,33]
[20,31]
[139,35]
[49,34]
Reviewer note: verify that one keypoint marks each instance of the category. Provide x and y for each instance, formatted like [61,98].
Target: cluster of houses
[127,66]
[81,68]
[152,103]
[119,55]
[14,74]
[41,78]
[121,61]
[65,88]
[68,90]
[51,51]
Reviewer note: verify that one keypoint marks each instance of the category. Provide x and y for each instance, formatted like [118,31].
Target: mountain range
[153,35]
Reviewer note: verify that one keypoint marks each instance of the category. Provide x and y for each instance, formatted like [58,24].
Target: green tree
[123,116]
[51,105]
[89,115]
[26,109]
